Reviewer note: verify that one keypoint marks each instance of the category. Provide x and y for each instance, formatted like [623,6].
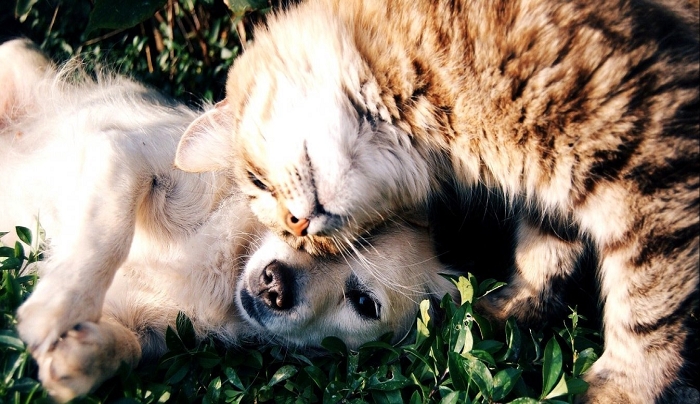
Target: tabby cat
[582,115]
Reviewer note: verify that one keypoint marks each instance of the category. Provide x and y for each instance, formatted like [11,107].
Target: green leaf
[456,397]
[233,378]
[317,375]
[173,341]
[394,381]
[178,370]
[207,359]
[265,393]
[213,391]
[283,373]
[415,398]
[584,361]
[111,14]
[513,340]
[239,7]
[379,346]
[335,345]
[524,400]
[460,326]
[466,290]
[19,251]
[185,330]
[484,326]
[11,263]
[552,367]
[233,396]
[9,339]
[490,346]
[254,360]
[483,356]
[7,252]
[423,322]
[559,390]
[458,370]
[385,397]
[504,381]
[576,386]
[480,375]
[22,9]
[24,234]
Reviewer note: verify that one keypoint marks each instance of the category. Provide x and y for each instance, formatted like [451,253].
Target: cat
[582,116]
[133,241]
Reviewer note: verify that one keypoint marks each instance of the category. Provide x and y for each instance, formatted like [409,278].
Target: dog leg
[97,228]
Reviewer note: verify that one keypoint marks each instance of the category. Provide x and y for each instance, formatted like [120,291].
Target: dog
[132,241]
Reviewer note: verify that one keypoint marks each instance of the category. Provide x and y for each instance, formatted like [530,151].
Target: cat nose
[296,226]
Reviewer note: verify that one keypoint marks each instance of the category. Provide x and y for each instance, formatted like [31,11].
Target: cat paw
[611,382]
[606,394]
[492,308]
[48,314]
[77,362]
[499,306]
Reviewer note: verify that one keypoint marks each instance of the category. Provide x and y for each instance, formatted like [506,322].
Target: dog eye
[364,304]
[256,181]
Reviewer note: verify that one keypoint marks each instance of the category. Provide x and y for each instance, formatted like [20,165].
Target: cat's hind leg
[544,261]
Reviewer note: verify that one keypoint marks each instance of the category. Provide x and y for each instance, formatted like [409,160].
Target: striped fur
[583,114]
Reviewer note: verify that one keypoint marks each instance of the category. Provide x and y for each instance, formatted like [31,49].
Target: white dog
[133,241]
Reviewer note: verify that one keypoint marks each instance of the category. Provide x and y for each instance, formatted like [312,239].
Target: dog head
[292,298]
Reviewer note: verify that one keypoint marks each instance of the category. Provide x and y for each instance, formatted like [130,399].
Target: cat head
[307,135]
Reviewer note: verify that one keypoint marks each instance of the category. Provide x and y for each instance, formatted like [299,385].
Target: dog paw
[73,364]
[81,359]
[51,312]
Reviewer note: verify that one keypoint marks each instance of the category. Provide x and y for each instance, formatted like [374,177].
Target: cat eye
[362,302]
[256,181]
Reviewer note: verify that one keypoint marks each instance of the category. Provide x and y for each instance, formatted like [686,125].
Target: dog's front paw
[84,357]
[72,365]
[52,310]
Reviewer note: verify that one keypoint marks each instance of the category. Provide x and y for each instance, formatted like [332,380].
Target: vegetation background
[184,48]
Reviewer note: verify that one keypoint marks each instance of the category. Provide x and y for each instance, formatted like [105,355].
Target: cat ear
[206,144]
[22,65]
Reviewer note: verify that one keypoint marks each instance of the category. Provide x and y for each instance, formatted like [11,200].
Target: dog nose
[296,226]
[276,287]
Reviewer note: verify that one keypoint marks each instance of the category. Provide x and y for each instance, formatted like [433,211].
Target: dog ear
[22,65]
[207,142]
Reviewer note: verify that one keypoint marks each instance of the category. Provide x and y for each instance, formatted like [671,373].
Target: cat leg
[543,263]
[86,356]
[97,216]
[646,309]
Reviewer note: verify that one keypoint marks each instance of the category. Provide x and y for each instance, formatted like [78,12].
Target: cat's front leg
[86,356]
[543,262]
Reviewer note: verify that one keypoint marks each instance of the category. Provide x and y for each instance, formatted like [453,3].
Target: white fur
[132,241]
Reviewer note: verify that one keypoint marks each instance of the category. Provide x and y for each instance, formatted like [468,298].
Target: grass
[457,360]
